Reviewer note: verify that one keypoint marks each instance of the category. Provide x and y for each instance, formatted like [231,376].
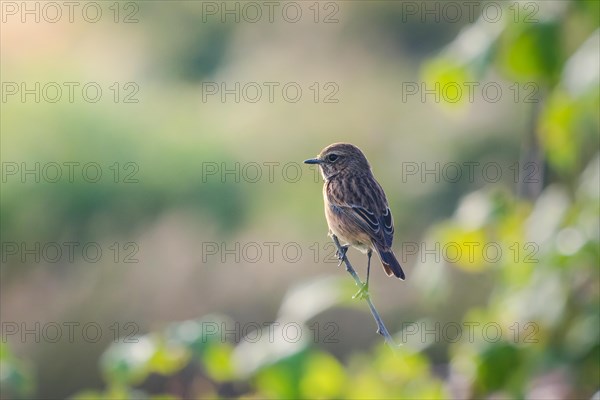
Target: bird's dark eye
[332,157]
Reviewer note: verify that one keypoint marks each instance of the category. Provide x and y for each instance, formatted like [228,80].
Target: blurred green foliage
[560,291]
[16,380]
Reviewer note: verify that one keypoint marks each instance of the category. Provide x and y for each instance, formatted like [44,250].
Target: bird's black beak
[313,161]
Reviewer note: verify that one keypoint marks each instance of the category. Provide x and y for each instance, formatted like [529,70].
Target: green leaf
[531,52]
[217,362]
[323,376]
[447,78]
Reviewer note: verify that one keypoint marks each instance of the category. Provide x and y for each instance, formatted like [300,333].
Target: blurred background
[161,237]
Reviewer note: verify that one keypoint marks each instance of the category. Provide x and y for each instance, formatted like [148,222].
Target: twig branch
[381,329]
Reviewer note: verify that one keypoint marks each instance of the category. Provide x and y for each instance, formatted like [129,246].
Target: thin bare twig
[381,329]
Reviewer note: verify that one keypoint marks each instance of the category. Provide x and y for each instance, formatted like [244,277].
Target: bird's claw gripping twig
[341,254]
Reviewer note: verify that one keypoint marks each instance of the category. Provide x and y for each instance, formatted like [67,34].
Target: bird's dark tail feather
[391,266]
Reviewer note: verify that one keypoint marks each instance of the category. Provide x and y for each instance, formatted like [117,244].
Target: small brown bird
[356,209]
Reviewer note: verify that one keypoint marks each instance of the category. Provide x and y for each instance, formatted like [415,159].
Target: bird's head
[339,157]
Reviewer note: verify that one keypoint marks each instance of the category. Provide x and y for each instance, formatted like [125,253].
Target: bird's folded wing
[388,226]
[379,227]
